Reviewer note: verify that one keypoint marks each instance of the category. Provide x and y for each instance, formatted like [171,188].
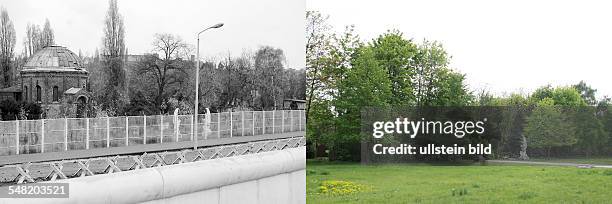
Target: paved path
[551,163]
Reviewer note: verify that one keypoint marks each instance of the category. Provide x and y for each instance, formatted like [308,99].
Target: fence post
[253,122]
[145,129]
[282,121]
[263,122]
[242,123]
[86,133]
[218,124]
[207,121]
[161,129]
[17,137]
[107,132]
[273,120]
[231,124]
[42,136]
[206,124]
[176,127]
[127,131]
[192,121]
[65,134]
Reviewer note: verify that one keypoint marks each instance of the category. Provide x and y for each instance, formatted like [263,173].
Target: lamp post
[197,84]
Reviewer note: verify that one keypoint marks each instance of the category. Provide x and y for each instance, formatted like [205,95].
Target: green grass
[421,183]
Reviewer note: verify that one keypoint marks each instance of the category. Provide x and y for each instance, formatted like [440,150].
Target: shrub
[11,110]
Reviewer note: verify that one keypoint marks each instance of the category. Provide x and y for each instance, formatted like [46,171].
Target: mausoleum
[56,78]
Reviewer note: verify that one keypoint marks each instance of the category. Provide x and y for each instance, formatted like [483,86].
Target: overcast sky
[78,24]
[510,46]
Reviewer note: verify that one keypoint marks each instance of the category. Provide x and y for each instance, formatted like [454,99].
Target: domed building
[56,78]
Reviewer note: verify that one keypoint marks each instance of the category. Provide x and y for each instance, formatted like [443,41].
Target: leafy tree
[114,96]
[547,127]
[268,68]
[429,62]
[514,111]
[450,89]
[567,96]
[140,104]
[586,92]
[394,54]
[541,93]
[321,126]
[12,110]
[366,84]
[343,50]
[211,85]
[317,47]
[294,83]
[561,96]
[606,119]
[589,130]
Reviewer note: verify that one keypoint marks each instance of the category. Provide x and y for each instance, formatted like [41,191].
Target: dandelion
[340,187]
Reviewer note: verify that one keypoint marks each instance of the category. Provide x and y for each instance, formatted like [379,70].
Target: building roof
[54,58]
[295,100]
[72,91]
[12,89]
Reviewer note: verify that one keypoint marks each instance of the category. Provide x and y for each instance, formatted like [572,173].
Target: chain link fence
[56,135]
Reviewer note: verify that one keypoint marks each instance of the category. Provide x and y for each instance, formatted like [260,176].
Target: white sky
[78,24]
[509,46]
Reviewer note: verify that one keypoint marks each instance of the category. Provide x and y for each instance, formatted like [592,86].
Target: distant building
[294,104]
[134,59]
[55,78]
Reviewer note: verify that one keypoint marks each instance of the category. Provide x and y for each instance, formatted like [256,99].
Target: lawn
[422,183]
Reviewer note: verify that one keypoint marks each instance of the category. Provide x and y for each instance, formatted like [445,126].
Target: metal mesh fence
[65,134]
[8,138]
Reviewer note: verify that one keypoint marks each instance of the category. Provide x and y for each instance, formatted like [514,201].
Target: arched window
[25,91]
[38,93]
[55,94]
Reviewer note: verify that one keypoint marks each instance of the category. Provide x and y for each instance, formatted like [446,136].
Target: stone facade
[48,75]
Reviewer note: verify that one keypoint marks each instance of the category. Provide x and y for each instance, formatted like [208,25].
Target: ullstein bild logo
[424,127]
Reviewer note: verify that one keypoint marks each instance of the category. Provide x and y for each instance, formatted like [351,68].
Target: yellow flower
[337,187]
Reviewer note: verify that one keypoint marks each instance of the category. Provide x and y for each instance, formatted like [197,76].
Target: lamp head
[218,25]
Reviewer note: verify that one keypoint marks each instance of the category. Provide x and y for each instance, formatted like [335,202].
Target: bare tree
[32,39]
[114,32]
[167,69]
[238,81]
[47,38]
[37,38]
[7,46]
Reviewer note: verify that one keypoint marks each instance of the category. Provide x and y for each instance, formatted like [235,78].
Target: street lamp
[197,84]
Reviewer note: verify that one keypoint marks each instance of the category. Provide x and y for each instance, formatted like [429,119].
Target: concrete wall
[282,188]
[269,177]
